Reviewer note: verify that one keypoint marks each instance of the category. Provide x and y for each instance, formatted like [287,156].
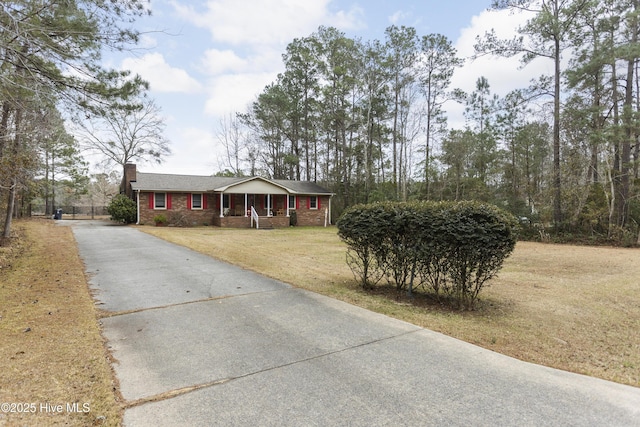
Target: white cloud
[352,19]
[504,74]
[217,61]
[233,92]
[397,17]
[147,42]
[161,76]
[193,153]
[266,22]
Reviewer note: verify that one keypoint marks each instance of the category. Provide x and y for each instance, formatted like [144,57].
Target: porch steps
[265,223]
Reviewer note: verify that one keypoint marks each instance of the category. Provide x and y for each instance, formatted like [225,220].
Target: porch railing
[254,216]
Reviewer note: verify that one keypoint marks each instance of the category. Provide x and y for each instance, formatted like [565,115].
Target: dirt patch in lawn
[569,307]
[55,366]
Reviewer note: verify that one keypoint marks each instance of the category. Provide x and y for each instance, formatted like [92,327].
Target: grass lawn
[569,307]
[55,368]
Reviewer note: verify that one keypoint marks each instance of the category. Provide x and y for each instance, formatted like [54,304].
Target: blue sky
[208,59]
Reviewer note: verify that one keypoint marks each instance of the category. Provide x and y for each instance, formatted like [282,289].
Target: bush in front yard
[446,248]
[474,240]
[122,209]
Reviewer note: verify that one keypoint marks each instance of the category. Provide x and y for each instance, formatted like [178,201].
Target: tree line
[52,80]
[367,118]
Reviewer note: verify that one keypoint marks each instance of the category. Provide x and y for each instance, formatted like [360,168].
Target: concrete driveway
[199,343]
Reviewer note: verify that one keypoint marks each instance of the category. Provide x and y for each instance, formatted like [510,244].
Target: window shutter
[217,197]
[168,200]
[204,201]
[152,198]
[318,201]
[309,202]
[189,201]
[297,202]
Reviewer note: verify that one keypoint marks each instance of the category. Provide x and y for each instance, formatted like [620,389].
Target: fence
[73,212]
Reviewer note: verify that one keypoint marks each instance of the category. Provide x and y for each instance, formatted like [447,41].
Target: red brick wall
[311,217]
[179,213]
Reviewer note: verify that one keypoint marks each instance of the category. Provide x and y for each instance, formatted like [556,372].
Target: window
[292,202]
[196,201]
[160,201]
[313,202]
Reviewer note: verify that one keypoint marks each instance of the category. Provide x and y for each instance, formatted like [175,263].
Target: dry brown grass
[569,307]
[52,350]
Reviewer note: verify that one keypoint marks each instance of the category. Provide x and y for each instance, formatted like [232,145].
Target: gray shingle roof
[196,183]
[302,187]
[167,182]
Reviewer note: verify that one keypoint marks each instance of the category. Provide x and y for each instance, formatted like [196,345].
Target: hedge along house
[226,202]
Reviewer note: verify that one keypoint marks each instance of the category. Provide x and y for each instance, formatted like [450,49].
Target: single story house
[226,202]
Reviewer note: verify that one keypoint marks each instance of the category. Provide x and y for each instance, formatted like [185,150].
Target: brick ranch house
[226,202]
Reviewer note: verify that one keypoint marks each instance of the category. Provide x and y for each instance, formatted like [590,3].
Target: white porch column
[246,203]
[269,213]
[221,205]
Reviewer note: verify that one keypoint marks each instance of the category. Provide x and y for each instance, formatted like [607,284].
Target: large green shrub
[122,209]
[357,227]
[445,248]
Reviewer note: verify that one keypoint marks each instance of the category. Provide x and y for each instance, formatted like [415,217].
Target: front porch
[245,221]
[235,209]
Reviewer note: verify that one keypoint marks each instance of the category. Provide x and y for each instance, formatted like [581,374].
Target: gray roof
[302,187]
[198,183]
[167,182]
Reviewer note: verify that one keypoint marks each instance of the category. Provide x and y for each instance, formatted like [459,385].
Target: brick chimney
[129,176]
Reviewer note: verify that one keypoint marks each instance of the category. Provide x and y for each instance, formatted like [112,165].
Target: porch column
[246,203]
[269,213]
[221,205]
[287,203]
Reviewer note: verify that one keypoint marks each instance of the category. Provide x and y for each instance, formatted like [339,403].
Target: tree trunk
[395,140]
[4,123]
[557,183]
[6,233]
[625,161]
[615,175]
[623,190]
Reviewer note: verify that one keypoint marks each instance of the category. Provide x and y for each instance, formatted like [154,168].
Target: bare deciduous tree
[231,136]
[123,136]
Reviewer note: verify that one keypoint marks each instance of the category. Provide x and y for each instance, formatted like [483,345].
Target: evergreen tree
[437,62]
[545,35]
[50,54]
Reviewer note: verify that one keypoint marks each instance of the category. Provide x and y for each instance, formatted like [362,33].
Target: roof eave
[171,190]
